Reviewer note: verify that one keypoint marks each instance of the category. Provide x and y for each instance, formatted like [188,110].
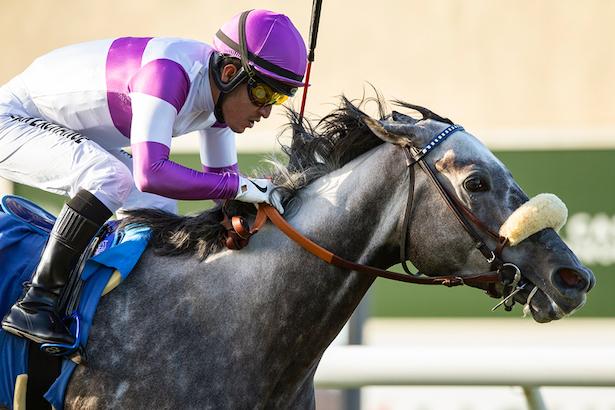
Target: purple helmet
[275,48]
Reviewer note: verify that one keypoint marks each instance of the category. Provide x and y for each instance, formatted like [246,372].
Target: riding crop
[316,5]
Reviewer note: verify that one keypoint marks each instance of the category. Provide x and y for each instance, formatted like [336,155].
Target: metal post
[534,398]
[352,397]
[6,187]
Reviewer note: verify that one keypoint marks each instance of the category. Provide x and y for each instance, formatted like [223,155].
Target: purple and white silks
[162,78]
[168,82]
[116,93]
[123,60]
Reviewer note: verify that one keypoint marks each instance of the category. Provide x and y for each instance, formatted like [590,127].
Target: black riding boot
[35,316]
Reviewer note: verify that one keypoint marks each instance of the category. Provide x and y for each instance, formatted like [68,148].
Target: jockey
[66,118]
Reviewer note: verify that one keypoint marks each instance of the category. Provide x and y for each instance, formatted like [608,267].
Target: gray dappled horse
[196,326]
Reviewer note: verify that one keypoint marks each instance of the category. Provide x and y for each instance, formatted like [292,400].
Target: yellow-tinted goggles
[262,94]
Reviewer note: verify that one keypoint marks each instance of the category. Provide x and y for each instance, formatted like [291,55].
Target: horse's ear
[397,116]
[386,132]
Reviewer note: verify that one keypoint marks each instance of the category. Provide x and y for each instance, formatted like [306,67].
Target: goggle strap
[232,83]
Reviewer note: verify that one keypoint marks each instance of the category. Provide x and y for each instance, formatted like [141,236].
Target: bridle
[508,274]
[465,216]
[505,273]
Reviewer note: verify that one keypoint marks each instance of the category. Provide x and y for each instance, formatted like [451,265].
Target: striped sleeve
[162,78]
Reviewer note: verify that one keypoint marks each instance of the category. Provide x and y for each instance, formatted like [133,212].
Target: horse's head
[553,282]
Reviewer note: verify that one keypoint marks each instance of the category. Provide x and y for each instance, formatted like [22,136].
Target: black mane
[336,139]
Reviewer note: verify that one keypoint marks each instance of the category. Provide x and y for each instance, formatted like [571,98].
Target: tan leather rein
[239,233]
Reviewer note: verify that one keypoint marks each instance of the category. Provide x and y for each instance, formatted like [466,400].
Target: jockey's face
[238,110]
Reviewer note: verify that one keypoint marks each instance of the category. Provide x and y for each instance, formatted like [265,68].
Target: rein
[268,212]
[239,233]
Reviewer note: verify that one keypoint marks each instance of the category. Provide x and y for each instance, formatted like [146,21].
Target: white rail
[529,367]
[6,187]
[355,366]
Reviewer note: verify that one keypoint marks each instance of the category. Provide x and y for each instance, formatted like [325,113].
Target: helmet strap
[215,64]
[218,109]
[245,70]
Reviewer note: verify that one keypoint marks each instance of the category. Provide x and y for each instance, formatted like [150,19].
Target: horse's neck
[354,212]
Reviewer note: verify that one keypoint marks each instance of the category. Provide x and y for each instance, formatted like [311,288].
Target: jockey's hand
[257,190]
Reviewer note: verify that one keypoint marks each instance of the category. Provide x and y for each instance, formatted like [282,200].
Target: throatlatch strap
[407,221]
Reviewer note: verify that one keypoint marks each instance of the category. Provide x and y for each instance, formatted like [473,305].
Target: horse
[199,326]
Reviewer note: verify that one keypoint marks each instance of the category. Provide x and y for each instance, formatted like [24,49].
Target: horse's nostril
[571,278]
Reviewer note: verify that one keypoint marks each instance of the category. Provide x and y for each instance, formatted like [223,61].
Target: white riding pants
[43,155]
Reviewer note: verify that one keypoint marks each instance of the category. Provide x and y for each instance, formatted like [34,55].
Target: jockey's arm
[217,150]
[158,93]
[154,172]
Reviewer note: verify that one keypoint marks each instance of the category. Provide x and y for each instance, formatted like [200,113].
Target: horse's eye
[476,184]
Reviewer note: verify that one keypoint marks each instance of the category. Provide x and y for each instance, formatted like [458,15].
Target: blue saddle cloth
[21,243]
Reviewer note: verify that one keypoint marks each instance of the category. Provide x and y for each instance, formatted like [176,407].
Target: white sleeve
[152,119]
[217,147]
